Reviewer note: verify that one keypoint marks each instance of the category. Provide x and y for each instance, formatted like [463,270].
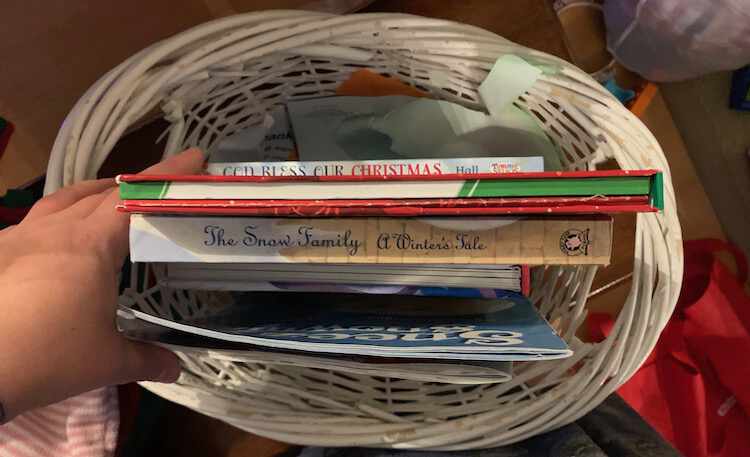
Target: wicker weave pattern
[225,75]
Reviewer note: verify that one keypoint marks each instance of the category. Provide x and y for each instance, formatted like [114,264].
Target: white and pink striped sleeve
[82,426]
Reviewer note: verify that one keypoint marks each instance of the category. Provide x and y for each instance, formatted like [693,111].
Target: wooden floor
[717,139]
[528,22]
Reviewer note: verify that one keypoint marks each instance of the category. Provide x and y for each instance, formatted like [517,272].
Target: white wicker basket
[225,75]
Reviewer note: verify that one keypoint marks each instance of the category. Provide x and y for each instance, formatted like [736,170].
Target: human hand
[58,298]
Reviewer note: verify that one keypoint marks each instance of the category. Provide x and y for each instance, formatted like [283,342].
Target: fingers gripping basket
[225,75]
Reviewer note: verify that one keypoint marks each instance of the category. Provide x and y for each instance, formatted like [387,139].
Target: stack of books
[374,263]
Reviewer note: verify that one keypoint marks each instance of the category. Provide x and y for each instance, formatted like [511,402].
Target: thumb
[112,225]
[186,162]
[146,362]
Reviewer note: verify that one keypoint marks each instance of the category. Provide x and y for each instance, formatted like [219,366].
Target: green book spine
[143,190]
[657,191]
[625,185]
[479,188]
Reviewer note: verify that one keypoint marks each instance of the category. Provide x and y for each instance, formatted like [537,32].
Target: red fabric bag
[695,386]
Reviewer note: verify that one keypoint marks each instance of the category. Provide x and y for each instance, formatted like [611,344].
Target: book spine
[393,208]
[365,289]
[371,240]
[374,211]
[376,168]
[574,174]
[325,188]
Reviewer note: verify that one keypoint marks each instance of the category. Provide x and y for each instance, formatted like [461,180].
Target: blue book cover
[502,329]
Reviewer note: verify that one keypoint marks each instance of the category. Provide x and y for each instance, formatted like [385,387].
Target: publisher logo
[575,242]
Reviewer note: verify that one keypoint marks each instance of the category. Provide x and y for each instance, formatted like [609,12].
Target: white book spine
[457,241]
[409,167]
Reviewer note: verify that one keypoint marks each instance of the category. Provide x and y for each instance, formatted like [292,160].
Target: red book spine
[375,211]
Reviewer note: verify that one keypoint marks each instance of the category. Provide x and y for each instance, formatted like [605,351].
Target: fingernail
[201,151]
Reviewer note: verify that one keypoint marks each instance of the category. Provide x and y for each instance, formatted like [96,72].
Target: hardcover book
[406,167]
[242,276]
[411,207]
[446,241]
[445,186]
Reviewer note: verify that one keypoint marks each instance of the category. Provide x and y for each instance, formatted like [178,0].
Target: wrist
[21,373]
